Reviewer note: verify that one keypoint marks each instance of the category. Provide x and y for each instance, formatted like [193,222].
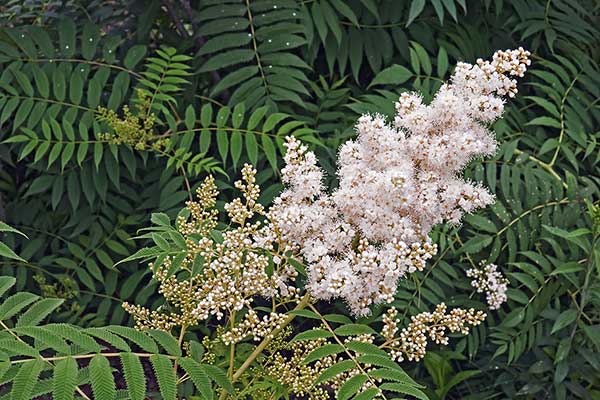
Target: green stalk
[305,301]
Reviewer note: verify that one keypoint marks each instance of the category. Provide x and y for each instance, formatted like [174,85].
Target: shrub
[331,280]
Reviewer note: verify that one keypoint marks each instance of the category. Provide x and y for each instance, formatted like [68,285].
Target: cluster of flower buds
[412,342]
[232,271]
[254,326]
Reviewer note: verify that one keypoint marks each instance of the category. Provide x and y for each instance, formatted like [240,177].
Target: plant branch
[352,357]
[305,301]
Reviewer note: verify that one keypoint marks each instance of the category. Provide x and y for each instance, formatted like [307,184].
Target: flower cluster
[222,273]
[253,325]
[396,183]
[134,129]
[412,342]
[491,281]
[64,288]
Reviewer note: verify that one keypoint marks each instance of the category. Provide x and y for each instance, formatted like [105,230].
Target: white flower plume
[396,183]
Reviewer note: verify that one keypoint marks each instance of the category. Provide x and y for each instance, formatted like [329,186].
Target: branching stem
[304,302]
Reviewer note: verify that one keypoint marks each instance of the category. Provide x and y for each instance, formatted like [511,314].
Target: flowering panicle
[253,325]
[396,183]
[221,276]
[412,342]
[134,129]
[203,213]
[490,281]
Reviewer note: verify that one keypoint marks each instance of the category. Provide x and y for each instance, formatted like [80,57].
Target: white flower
[491,281]
[396,182]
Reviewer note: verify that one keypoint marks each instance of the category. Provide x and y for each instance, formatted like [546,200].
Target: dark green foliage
[228,80]
[66,359]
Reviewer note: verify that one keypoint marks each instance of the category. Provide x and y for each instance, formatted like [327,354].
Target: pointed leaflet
[368,394]
[218,376]
[101,376]
[405,389]
[16,303]
[108,337]
[137,337]
[167,341]
[335,370]
[75,335]
[64,380]
[26,379]
[323,351]
[198,375]
[416,8]
[6,228]
[351,387]
[163,370]
[7,252]
[134,376]
[6,282]
[40,310]
[312,335]
[353,330]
